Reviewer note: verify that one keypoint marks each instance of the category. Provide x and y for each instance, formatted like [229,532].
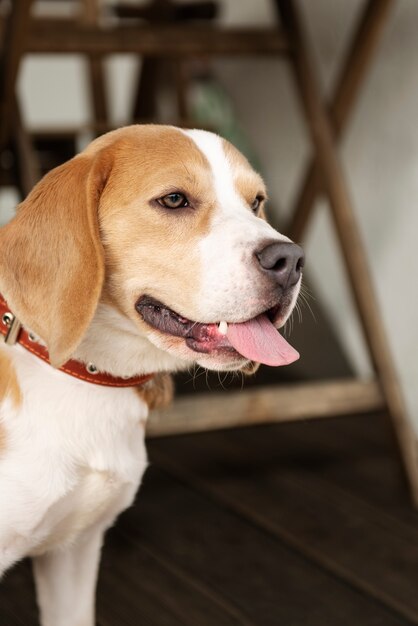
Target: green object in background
[212,108]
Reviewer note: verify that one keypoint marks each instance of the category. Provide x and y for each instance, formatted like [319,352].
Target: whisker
[304,300]
[306,291]
[197,372]
[207,380]
[288,327]
[242,379]
[221,380]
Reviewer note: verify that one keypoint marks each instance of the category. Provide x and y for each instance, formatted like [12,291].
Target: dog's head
[167,226]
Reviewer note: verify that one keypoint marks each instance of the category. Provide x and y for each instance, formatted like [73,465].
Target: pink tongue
[259,341]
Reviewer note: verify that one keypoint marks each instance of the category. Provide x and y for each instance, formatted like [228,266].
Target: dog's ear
[51,256]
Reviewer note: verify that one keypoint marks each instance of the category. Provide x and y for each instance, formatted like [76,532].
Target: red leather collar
[15,333]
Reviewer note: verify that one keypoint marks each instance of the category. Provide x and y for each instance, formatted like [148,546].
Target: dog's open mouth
[256,339]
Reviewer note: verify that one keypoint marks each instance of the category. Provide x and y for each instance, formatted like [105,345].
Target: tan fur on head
[51,263]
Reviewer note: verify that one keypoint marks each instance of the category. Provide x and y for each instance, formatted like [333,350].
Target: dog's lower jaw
[113,343]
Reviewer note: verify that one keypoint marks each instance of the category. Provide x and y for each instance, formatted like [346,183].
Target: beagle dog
[144,255]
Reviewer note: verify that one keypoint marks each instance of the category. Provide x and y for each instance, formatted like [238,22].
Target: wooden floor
[292,525]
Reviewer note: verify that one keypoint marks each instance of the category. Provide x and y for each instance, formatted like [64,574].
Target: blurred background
[63,101]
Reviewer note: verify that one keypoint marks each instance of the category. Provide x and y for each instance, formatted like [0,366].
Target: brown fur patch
[158,393]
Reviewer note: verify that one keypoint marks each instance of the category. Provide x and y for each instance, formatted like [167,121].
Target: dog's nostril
[300,263]
[280,265]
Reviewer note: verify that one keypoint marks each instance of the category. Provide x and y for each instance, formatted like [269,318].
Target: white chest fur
[74,456]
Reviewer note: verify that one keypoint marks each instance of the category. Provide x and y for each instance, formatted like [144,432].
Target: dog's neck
[113,344]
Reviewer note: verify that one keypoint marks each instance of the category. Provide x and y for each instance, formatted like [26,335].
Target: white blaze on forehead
[223,176]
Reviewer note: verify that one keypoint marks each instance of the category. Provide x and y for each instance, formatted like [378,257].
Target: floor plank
[256,475]
[143,581]
[287,525]
[267,579]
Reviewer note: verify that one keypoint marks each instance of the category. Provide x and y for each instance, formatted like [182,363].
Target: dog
[144,255]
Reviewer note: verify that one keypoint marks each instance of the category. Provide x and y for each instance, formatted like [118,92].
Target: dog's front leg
[66,582]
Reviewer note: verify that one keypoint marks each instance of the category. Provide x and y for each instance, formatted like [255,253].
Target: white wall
[380,153]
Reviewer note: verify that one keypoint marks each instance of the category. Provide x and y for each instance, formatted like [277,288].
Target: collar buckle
[13,328]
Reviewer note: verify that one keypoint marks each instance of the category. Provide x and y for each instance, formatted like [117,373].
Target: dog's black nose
[283,260]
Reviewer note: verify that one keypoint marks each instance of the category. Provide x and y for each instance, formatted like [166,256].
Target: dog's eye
[257,203]
[174,200]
